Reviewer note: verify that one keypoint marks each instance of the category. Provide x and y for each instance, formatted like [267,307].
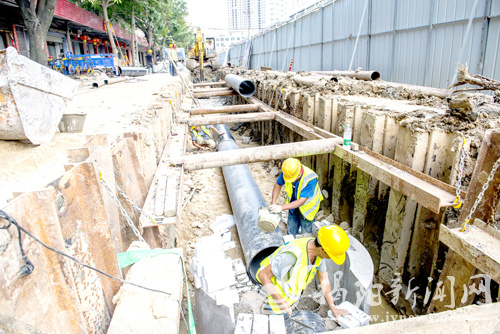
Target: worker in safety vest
[202,137]
[303,196]
[172,51]
[286,273]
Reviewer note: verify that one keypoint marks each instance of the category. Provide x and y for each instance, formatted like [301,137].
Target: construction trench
[393,192]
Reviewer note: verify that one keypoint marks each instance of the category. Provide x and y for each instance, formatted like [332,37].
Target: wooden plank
[205,84]
[256,154]
[244,324]
[102,157]
[476,246]
[170,202]
[224,109]
[161,191]
[461,271]
[77,155]
[212,120]
[430,196]
[212,90]
[291,123]
[174,149]
[132,182]
[96,140]
[488,154]
[85,229]
[215,94]
[260,324]
[46,300]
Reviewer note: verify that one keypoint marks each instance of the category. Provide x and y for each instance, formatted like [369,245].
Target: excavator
[202,59]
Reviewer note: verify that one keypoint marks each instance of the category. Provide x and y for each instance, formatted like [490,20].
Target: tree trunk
[37,26]
[150,37]
[134,46]
[108,27]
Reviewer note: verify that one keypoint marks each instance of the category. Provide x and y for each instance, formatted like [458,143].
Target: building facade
[246,14]
[73,29]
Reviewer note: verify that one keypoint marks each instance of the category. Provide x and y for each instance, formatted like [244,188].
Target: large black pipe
[246,198]
[244,87]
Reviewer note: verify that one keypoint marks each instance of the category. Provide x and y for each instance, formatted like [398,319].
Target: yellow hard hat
[170,45]
[334,241]
[149,51]
[291,169]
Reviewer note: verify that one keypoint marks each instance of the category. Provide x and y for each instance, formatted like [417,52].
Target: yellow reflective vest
[301,274]
[207,132]
[311,207]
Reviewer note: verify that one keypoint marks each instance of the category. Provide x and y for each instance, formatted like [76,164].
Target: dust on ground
[111,109]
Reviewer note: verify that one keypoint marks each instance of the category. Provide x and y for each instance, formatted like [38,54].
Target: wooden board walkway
[164,200]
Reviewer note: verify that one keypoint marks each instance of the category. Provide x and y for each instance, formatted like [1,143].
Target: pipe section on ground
[246,198]
[360,75]
[244,87]
[132,71]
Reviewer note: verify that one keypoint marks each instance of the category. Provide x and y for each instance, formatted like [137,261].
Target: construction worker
[149,60]
[286,273]
[202,137]
[172,51]
[303,196]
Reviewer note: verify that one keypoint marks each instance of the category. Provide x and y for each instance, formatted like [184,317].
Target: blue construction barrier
[82,64]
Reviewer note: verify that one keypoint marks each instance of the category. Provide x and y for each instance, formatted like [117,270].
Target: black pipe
[244,87]
[246,198]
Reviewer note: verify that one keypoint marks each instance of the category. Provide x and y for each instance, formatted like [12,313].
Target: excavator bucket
[32,98]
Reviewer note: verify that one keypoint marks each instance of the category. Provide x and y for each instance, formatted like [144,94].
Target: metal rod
[237,108]
[246,198]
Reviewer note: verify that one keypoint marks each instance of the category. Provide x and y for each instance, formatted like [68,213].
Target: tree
[37,17]
[105,4]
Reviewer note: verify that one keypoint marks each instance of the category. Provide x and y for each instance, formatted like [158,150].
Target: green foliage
[162,21]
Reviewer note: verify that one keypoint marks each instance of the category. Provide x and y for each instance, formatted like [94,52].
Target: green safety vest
[311,207]
[301,274]
[208,133]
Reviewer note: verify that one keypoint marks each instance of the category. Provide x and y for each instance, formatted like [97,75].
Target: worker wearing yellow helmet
[303,196]
[173,59]
[286,273]
[149,61]
[202,138]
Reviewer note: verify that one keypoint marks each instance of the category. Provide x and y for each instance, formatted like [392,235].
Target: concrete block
[277,324]
[228,245]
[356,318]
[244,324]
[260,324]
[245,289]
[222,222]
[226,237]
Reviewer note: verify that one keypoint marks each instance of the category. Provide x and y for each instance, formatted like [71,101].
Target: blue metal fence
[407,41]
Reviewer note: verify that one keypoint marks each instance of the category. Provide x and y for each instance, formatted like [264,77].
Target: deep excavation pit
[389,119]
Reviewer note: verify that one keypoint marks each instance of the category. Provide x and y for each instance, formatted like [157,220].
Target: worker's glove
[275,208]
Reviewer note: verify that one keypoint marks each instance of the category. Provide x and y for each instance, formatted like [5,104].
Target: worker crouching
[303,196]
[202,137]
[286,273]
